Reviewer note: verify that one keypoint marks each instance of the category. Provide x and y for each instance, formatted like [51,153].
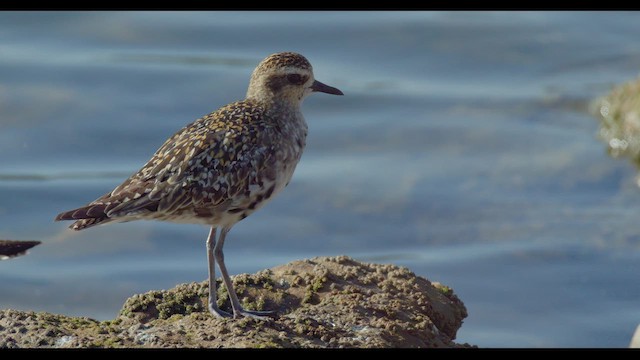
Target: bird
[220,168]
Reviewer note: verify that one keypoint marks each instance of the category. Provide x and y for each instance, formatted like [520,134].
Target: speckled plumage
[225,165]
[211,171]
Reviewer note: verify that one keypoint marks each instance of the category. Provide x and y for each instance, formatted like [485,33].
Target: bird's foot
[259,315]
[215,311]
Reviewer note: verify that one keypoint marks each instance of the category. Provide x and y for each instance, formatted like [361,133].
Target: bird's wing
[204,164]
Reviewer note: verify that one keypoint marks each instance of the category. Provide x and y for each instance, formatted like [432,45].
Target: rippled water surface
[462,149]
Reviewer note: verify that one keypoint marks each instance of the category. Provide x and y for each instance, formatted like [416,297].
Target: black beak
[317,86]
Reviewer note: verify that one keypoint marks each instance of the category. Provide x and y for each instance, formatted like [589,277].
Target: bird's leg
[213,304]
[238,311]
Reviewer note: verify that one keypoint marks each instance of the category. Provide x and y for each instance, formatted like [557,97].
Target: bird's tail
[87,216]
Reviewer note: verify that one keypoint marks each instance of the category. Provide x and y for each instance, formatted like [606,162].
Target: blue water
[463,149]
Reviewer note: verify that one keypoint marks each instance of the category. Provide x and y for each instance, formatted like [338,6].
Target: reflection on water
[463,150]
[63,176]
[149,59]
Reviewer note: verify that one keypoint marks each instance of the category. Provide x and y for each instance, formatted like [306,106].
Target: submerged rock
[321,302]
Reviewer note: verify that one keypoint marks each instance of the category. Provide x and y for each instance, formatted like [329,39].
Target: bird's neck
[276,104]
[282,112]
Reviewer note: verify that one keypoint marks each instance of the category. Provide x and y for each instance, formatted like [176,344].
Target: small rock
[13,248]
[635,340]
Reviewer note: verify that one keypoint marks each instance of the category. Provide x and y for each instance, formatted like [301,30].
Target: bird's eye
[294,78]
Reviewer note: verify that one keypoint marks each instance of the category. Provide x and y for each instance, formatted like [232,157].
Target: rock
[321,302]
[635,339]
[13,248]
[619,115]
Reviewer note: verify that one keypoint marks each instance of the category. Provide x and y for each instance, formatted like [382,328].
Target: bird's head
[285,76]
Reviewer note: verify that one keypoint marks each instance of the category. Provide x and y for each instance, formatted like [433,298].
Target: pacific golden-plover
[222,167]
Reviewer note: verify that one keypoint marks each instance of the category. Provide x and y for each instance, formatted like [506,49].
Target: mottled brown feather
[194,166]
[222,166]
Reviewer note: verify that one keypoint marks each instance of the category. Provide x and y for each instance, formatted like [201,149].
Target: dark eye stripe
[296,79]
[277,82]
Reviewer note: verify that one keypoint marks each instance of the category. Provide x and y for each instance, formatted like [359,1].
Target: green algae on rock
[619,115]
[321,302]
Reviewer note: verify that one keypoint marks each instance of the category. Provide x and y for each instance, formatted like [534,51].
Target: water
[463,149]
